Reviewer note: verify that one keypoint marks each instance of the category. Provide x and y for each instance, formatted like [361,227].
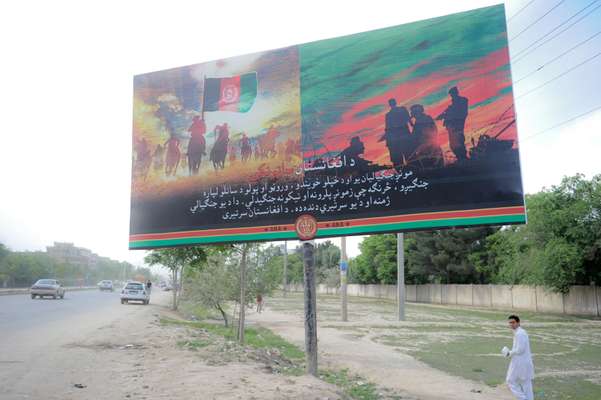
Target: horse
[196,149]
[173,156]
[267,143]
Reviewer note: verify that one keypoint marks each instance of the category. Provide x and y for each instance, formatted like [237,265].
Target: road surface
[40,339]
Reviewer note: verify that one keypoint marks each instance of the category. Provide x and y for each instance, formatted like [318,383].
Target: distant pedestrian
[148,286]
[259,303]
[521,369]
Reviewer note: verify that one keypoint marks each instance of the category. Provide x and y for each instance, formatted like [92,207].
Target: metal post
[343,274]
[400,251]
[285,278]
[310,308]
[242,293]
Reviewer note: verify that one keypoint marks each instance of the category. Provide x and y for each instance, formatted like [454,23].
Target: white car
[105,285]
[47,287]
[135,291]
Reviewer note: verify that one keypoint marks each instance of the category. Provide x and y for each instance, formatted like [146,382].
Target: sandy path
[379,363]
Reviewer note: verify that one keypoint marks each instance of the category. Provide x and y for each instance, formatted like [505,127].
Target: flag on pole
[235,93]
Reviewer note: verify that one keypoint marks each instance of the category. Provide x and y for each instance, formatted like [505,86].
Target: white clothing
[522,390]
[521,367]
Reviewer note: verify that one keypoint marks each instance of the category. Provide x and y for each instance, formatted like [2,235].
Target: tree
[175,260]
[214,284]
[561,244]
[443,256]
[377,261]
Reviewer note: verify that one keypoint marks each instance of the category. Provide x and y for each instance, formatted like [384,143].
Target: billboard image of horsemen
[403,128]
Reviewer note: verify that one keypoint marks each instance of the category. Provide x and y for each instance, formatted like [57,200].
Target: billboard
[402,128]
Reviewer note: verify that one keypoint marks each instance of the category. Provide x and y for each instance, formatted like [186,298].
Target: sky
[67,94]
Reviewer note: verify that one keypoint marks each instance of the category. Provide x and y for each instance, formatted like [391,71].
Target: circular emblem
[306,227]
[229,94]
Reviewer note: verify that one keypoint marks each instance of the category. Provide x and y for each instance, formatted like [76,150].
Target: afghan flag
[236,93]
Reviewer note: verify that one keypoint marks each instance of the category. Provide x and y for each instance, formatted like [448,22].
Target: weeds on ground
[353,386]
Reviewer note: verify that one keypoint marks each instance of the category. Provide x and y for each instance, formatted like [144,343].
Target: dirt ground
[134,356]
[443,352]
[342,348]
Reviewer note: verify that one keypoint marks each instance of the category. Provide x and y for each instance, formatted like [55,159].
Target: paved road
[19,313]
[36,335]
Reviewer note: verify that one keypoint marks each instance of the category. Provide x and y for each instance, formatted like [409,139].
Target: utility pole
[242,293]
[310,308]
[285,278]
[343,276]
[400,254]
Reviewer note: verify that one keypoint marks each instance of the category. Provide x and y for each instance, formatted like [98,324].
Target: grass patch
[193,345]
[353,386]
[258,338]
[263,338]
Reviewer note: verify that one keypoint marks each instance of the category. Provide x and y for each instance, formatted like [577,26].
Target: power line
[520,10]
[537,20]
[527,50]
[560,75]
[558,57]
[562,123]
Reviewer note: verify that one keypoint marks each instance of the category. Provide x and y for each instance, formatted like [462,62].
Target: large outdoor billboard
[403,128]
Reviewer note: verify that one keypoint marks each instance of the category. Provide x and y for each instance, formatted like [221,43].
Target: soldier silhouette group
[411,136]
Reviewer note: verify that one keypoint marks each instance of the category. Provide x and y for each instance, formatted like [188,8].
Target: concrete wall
[502,296]
[549,301]
[411,293]
[449,294]
[482,296]
[581,300]
[465,295]
[524,297]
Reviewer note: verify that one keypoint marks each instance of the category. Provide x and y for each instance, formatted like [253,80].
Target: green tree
[561,244]
[176,260]
[443,256]
[377,262]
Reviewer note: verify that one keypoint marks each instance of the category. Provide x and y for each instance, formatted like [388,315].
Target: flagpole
[202,108]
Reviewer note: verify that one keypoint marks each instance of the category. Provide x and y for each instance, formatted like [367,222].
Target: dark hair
[514,317]
[392,102]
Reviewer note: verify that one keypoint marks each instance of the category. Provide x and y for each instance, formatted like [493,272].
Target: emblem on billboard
[230,94]
[306,227]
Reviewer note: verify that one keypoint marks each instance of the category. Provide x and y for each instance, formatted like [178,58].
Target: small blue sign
[343,266]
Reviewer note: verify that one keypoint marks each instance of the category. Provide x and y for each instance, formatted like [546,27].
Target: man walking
[521,369]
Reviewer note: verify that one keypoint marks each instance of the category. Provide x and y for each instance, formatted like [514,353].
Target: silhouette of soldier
[427,151]
[454,120]
[352,156]
[396,133]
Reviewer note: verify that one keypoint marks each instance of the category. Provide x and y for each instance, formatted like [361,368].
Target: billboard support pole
[285,278]
[400,251]
[343,276]
[310,308]
[242,293]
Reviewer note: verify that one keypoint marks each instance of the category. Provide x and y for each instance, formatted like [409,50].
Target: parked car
[135,291]
[47,287]
[105,285]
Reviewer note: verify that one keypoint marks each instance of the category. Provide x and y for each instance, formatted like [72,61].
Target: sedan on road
[105,285]
[47,287]
[135,291]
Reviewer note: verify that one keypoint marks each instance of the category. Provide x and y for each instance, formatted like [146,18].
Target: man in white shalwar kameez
[521,369]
